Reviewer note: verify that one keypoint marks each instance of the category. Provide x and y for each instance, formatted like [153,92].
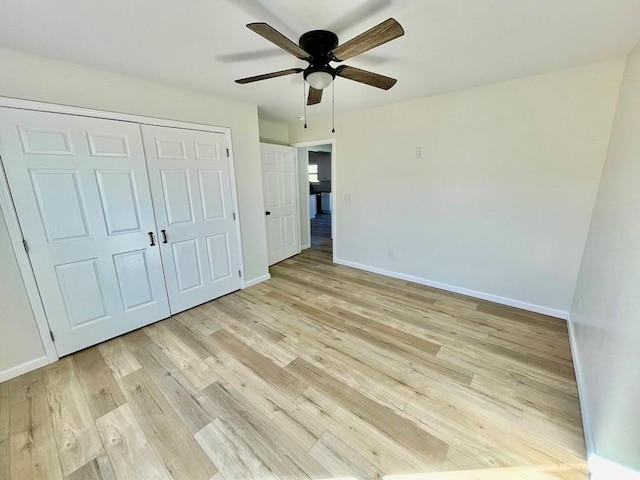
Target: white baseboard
[463,291]
[257,280]
[305,246]
[18,370]
[603,469]
[582,396]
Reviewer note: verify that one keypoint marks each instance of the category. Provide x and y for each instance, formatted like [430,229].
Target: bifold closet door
[191,187]
[82,196]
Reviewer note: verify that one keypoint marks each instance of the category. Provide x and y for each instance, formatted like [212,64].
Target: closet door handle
[164,236]
[153,242]
[267,213]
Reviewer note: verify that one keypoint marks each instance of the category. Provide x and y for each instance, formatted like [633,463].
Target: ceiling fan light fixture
[319,79]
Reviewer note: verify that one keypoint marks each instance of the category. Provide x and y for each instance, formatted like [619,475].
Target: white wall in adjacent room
[501,202]
[35,78]
[606,307]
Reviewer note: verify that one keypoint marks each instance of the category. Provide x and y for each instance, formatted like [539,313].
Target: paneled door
[81,192]
[191,185]
[280,187]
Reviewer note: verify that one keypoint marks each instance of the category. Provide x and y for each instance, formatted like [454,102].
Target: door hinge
[52,337]
[26,245]
[240,272]
[227,152]
[234,215]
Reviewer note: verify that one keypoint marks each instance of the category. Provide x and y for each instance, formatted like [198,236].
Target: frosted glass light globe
[319,80]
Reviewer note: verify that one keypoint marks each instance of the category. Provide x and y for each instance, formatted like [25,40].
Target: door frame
[11,216]
[334,183]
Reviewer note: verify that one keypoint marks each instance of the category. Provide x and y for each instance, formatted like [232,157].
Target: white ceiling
[204,45]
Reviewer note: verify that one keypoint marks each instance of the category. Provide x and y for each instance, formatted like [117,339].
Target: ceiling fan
[320,47]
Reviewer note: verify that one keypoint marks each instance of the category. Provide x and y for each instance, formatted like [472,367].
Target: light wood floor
[323,372]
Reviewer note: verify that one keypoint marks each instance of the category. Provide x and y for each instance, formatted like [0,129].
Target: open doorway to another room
[316,184]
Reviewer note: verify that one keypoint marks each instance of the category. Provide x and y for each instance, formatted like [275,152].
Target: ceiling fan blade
[265,76]
[315,96]
[363,76]
[278,39]
[382,33]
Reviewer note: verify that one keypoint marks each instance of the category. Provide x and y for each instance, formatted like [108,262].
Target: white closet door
[280,188]
[191,187]
[82,196]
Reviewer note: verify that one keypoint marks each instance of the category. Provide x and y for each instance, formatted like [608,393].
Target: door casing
[302,190]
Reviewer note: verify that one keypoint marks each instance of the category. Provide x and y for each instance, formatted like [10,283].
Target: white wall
[19,338]
[273,132]
[500,206]
[606,308]
[35,78]
[303,199]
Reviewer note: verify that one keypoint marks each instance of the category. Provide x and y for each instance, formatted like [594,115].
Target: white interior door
[280,187]
[80,189]
[191,187]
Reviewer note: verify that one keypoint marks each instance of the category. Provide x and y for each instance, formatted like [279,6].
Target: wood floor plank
[175,387]
[377,448]
[243,313]
[118,357]
[200,345]
[264,346]
[100,388]
[5,451]
[97,469]
[367,335]
[396,427]
[349,370]
[231,454]
[136,339]
[198,324]
[130,454]
[267,399]
[265,438]
[342,460]
[33,453]
[177,449]
[75,431]
[263,366]
[182,356]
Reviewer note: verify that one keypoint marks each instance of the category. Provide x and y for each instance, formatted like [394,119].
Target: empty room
[339,240]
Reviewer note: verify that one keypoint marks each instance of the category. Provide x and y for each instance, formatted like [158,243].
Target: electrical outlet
[419,153]
[392,254]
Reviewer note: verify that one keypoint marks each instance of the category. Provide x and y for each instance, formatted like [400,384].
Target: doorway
[320,196]
[317,185]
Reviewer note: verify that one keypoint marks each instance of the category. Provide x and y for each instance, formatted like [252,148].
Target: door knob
[267,213]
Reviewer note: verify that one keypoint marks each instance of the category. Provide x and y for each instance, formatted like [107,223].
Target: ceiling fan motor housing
[318,43]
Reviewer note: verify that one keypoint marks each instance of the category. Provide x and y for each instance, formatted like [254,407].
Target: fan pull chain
[304,101]
[333,106]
